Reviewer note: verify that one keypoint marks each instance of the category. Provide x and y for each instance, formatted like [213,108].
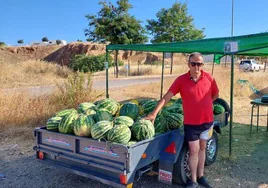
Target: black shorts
[193,132]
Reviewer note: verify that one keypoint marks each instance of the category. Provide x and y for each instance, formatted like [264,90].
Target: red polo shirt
[196,97]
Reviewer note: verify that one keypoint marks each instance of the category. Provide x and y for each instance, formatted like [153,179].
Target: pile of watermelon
[118,122]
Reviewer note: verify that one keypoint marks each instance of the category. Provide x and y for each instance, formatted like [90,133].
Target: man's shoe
[203,182]
[192,184]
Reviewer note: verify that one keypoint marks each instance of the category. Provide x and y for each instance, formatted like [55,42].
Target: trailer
[120,165]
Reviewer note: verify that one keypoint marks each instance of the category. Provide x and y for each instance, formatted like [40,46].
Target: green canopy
[246,45]
[249,45]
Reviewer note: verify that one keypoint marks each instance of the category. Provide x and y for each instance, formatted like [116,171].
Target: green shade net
[250,45]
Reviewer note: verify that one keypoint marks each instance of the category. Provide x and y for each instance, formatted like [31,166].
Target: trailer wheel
[224,104]
[181,170]
[212,149]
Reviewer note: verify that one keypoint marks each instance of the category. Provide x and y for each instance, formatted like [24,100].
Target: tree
[20,41]
[2,43]
[44,39]
[173,24]
[78,40]
[114,24]
[58,42]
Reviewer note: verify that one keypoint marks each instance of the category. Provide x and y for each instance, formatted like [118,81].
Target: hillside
[62,54]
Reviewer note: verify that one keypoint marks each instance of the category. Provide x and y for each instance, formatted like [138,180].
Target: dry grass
[31,73]
[21,109]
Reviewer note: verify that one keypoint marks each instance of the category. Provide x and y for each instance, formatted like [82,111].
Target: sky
[31,20]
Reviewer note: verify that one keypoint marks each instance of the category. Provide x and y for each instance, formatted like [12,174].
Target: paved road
[97,84]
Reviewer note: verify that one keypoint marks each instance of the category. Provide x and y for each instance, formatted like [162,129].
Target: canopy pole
[116,62]
[171,64]
[107,75]
[231,104]
[162,76]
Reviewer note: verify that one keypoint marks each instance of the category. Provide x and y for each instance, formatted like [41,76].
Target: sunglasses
[193,64]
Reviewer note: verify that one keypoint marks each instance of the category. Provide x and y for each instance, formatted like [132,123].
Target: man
[198,90]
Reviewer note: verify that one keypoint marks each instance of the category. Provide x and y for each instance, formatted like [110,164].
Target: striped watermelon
[100,129]
[123,120]
[120,134]
[160,125]
[67,123]
[109,105]
[149,106]
[131,142]
[65,112]
[83,107]
[143,129]
[129,109]
[89,112]
[173,120]
[53,123]
[82,125]
[175,108]
[102,115]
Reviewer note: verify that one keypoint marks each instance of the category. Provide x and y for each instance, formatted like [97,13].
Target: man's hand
[150,117]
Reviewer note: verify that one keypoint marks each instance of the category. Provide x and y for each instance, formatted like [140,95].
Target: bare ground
[246,168]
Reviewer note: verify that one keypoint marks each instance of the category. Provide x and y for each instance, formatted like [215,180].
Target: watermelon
[149,106]
[109,105]
[123,120]
[82,125]
[83,107]
[65,112]
[143,129]
[129,109]
[89,112]
[100,129]
[53,123]
[179,101]
[218,109]
[102,115]
[160,125]
[131,142]
[175,108]
[67,123]
[173,120]
[120,134]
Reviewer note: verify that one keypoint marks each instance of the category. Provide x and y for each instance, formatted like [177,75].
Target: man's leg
[201,158]
[193,158]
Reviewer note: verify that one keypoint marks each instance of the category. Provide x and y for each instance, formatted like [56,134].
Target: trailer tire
[181,170]
[224,104]
[212,149]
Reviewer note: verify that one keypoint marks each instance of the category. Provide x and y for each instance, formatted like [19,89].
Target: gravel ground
[20,168]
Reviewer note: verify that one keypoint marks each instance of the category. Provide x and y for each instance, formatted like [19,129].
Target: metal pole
[231,105]
[162,76]
[232,87]
[232,31]
[107,75]
[116,62]
[171,64]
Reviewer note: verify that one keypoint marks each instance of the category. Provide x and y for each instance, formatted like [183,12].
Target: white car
[249,65]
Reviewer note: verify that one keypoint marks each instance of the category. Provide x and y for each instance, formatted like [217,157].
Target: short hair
[195,54]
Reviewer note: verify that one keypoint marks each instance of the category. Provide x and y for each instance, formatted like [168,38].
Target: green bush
[2,44]
[84,63]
